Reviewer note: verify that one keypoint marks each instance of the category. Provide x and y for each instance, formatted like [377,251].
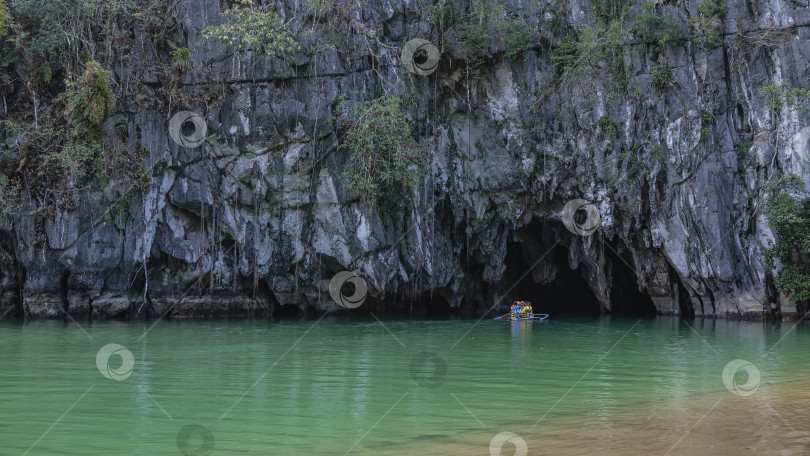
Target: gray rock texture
[260,218]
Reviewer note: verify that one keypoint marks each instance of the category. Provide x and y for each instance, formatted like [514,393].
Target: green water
[336,386]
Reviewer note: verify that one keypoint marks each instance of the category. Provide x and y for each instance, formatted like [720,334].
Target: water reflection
[521,332]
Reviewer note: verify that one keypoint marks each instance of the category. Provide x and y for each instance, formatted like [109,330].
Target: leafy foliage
[5,18]
[662,78]
[565,54]
[44,35]
[598,47]
[517,36]
[608,127]
[708,22]
[90,100]
[53,154]
[181,59]
[594,49]
[475,42]
[57,167]
[659,30]
[52,36]
[788,211]
[609,10]
[249,29]
[41,36]
[634,166]
[42,163]
[384,157]
[783,95]
[443,16]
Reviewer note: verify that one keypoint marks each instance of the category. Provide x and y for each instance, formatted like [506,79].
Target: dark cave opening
[428,305]
[568,293]
[625,297]
[287,311]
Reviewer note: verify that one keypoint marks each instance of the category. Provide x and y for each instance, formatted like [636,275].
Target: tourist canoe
[536,317]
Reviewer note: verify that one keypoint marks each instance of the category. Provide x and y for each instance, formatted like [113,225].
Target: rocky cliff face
[673,157]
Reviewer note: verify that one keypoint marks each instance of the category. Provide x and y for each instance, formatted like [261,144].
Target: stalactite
[235,266]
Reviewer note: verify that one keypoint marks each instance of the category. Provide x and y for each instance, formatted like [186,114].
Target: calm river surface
[335,386]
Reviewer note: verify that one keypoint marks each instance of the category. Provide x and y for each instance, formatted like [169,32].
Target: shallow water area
[595,385]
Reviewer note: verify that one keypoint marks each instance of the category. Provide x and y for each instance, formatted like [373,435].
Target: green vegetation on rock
[708,23]
[788,212]
[662,78]
[475,41]
[596,47]
[384,157]
[601,47]
[795,99]
[5,18]
[657,29]
[517,36]
[90,100]
[246,28]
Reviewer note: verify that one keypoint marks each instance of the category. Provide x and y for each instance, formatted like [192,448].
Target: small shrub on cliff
[708,22]
[181,59]
[383,154]
[247,28]
[565,54]
[517,36]
[783,95]
[609,10]
[596,48]
[662,78]
[608,128]
[658,30]
[788,212]
[90,100]
[634,166]
[443,16]
[475,40]
[5,18]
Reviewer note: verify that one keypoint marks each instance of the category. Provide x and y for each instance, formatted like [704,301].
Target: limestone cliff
[673,151]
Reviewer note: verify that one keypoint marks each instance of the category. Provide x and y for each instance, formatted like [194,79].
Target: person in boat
[527,311]
[516,310]
[511,312]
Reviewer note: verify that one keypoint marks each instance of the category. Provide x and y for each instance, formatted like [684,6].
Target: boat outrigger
[538,317]
[522,310]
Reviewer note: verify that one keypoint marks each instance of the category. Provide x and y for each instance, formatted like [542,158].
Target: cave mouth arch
[555,288]
[625,297]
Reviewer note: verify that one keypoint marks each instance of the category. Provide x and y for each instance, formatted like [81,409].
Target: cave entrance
[567,294]
[625,297]
[554,288]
